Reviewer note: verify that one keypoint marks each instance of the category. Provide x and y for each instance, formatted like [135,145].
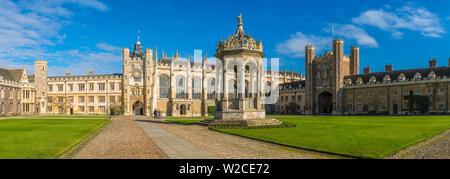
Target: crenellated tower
[40,81]
[354,60]
[309,84]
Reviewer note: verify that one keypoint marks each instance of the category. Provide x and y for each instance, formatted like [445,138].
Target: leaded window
[163,86]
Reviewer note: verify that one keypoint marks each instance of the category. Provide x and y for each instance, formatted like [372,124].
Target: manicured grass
[362,137]
[280,116]
[185,122]
[191,118]
[43,138]
[68,116]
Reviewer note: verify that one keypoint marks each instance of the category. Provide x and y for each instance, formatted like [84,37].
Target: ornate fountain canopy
[239,41]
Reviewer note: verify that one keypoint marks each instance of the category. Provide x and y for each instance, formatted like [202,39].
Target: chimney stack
[433,63]
[366,70]
[91,72]
[67,73]
[389,68]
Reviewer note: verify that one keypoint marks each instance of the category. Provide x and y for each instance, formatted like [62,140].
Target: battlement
[338,41]
[41,61]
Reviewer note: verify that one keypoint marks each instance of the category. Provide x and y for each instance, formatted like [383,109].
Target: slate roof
[292,85]
[409,74]
[11,75]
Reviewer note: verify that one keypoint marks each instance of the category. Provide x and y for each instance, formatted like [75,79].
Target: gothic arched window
[180,88]
[163,86]
[211,88]
[196,88]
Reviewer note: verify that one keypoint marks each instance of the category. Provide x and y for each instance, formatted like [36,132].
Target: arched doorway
[395,109]
[138,108]
[183,110]
[325,103]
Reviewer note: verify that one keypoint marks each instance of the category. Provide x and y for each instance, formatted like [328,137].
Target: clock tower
[137,80]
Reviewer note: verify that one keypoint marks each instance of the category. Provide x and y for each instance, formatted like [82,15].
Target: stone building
[333,85]
[177,86]
[89,94]
[324,77]
[10,92]
[393,92]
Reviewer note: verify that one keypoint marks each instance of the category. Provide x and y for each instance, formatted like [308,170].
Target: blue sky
[80,35]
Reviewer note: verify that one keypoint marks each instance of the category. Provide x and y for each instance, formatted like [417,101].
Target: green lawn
[43,138]
[362,137]
[185,122]
[191,118]
[69,116]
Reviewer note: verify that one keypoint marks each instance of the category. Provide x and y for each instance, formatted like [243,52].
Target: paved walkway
[173,146]
[121,139]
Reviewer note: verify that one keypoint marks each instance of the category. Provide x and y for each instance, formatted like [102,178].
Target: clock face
[137,73]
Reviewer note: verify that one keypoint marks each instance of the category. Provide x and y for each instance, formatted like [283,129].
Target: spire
[177,55]
[25,65]
[205,59]
[138,37]
[240,25]
[156,54]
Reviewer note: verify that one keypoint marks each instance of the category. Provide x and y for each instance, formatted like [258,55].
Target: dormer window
[417,76]
[348,82]
[432,75]
[387,79]
[402,77]
[359,81]
[372,79]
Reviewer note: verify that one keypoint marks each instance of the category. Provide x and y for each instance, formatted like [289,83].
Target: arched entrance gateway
[182,109]
[138,108]
[325,103]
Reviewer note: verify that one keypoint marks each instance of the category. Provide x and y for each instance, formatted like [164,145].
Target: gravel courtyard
[122,139]
[235,147]
[437,147]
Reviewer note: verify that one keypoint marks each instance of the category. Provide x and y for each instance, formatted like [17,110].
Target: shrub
[283,125]
[211,110]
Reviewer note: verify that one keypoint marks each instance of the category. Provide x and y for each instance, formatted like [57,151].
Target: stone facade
[333,85]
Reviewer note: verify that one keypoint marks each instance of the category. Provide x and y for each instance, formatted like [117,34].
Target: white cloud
[407,17]
[29,28]
[350,31]
[295,45]
[108,47]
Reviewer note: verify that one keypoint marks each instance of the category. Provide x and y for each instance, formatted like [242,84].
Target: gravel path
[234,147]
[437,147]
[122,139]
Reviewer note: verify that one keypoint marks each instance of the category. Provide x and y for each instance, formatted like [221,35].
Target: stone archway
[325,103]
[138,108]
[182,109]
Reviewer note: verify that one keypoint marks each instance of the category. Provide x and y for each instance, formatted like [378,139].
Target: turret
[354,60]
[148,56]
[309,57]
[40,81]
[126,53]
